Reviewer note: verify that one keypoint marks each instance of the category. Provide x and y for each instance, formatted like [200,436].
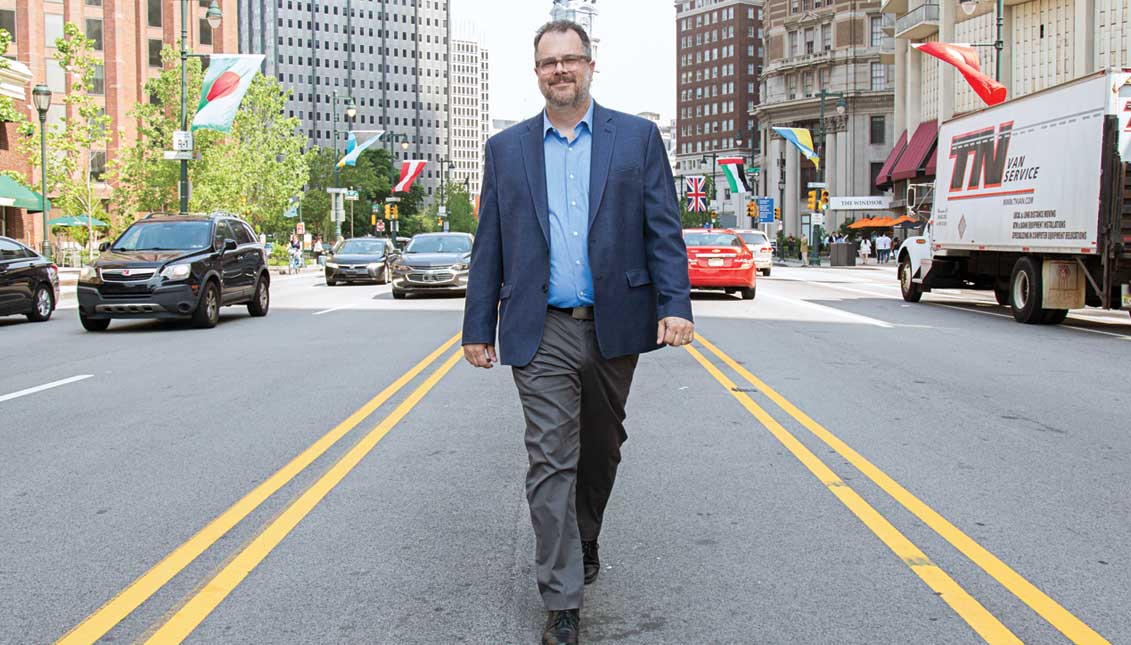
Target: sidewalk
[796,263]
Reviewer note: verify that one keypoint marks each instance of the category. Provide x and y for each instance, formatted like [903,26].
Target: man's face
[565,84]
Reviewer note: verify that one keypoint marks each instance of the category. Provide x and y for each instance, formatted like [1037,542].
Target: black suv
[29,282]
[176,266]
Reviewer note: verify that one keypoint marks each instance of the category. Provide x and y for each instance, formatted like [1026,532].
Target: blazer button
[545,288]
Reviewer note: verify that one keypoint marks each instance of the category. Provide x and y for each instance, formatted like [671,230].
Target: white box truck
[1032,199]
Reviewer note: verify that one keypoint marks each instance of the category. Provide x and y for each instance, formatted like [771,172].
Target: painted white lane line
[1010,316]
[46,386]
[830,311]
[326,311]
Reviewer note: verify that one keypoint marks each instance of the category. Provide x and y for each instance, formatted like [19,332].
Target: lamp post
[968,8]
[714,157]
[213,15]
[841,107]
[445,163]
[41,96]
[757,169]
[391,138]
[351,112]
[781,201]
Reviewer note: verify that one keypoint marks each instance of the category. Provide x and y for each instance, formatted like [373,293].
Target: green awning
[23,197]
[76,220]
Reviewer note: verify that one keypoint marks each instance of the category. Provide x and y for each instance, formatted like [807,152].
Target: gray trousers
[573,401]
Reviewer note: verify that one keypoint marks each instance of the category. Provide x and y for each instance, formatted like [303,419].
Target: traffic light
[396,215]
[777,213]
[388,211]
[752,210]
[824,200]
[811,201]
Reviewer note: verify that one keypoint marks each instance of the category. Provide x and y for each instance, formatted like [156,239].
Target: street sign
[182,141]
[337,191]
[350,196]
[380,226]
[442,211]
[818,219]
[818,184]
[185,155]
[869,202]
[392,200]
[300,228]
[375,208]
[765,209]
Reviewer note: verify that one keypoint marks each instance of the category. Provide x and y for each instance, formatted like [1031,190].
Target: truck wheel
[1025,292]
[1054,316]
[911,292]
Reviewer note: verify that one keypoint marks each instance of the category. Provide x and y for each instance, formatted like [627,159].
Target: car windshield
[754,237]
[166,236]
[710,238]
[362,247]
[440,244]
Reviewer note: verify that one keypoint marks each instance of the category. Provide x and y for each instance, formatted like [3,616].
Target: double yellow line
[969,609]
[197,608]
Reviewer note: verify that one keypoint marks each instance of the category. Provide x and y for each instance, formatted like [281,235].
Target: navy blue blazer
[636,250]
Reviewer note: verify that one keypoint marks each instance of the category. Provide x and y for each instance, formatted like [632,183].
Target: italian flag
[225,83]
[410,170]
[736,177]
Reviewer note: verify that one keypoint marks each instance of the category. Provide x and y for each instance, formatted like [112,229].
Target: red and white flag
[410,170]
[966,60]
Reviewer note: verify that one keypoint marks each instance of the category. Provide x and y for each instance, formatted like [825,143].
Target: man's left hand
[675,331]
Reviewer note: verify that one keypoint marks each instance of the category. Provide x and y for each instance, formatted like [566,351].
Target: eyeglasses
[550,65]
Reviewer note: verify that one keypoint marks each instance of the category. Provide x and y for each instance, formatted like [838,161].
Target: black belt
[578,313]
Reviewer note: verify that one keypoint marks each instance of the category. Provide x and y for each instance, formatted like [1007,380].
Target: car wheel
[207,312]
[766,272]
[42,305]
[261,301]
[748,294]
[399,294]
[331,282]
[94,324]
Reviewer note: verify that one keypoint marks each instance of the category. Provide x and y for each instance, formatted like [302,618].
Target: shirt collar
[587,120]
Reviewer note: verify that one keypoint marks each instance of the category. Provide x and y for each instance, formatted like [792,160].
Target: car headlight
[176,271]
[88,273]
[460,267]
[400,266]
[331,265]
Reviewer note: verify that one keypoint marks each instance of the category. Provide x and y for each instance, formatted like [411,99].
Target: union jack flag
[696,193]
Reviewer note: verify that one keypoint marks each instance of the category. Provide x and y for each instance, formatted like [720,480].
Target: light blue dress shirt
[567,190]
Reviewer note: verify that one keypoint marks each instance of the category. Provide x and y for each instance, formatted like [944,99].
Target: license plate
[715,262]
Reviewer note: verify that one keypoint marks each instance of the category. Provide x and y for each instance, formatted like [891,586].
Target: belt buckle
[581,313]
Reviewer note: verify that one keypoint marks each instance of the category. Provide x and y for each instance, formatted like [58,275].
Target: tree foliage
[461,211]
[9,113]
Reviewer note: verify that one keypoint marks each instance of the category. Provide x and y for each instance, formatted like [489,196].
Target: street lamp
[41,97]
[968,8]
[351,112]
[214,15]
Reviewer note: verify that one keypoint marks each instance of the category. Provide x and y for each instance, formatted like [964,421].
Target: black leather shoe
[592,562]
[562,627]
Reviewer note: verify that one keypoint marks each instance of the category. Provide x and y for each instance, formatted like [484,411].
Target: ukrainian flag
[801,138]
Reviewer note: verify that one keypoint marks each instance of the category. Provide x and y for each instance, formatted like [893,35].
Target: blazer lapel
[534,160]
[604,136]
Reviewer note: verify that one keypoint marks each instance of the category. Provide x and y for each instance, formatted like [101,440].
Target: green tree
[8,111]
[252,171]
[75,139]
[461,212]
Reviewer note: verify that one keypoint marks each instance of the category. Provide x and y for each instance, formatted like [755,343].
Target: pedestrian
[865,250]
[317,250]
[294,250]
[804,251]
[883,248]
[579,261]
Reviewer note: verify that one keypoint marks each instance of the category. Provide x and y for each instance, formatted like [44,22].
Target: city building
[667,133]
[719,54]
[128,36]
[1044,44]
[841,48]
[391,59]
[583,12]
[498,125]
[471,115]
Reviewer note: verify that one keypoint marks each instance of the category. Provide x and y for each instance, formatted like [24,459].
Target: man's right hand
[480,355]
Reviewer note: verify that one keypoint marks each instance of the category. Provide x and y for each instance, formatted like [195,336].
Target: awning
[76,220]
[915,156]
[883,180]
[930,169]
[21,197]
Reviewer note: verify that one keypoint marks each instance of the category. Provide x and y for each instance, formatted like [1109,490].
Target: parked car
[29,282]
[361,259]
[759,244]
[176,266]
[719,259]
[435,262]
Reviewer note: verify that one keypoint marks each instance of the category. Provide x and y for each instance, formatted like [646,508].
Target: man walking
[580,261]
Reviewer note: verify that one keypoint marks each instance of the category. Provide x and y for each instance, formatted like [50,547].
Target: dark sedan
[435,262]
[29,282]
[361,259]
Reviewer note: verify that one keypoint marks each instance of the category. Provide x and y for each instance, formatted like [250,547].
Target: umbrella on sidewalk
[77,220]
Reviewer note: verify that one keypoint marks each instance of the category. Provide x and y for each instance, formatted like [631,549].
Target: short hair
[562,26]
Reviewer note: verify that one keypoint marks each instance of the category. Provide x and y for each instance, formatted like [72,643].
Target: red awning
[930,169]
[883,180]
[915,156]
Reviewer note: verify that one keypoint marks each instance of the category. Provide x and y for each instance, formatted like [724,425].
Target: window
[94,32]
[810,40]
[806,83]
[879,76]
[155,52]
[154,12]
[827,36]
[876,129]
[8,21]
[97,165]
[98,85]
[874,172]
[877,31]
[205,32]
[791,86]
[94,3]
[52,28]
[11,251]
[793,43]
[243,233]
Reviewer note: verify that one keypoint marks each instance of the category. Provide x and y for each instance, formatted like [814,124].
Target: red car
[719,259]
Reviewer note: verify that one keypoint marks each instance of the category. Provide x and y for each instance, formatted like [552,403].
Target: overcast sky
[635,59]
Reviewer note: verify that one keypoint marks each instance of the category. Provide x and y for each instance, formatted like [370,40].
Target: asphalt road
[828,464]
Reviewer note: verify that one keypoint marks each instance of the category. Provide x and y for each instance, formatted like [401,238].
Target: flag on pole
[801,138]
[735,173]
[696,193]
[410,170]
[351,142]
[966,60]
[225,83]
[353,151]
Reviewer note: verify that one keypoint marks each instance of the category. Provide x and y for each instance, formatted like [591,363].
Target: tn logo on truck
[989,148]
